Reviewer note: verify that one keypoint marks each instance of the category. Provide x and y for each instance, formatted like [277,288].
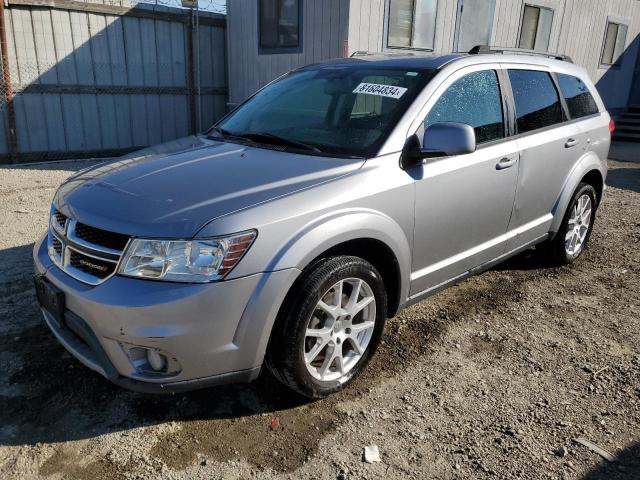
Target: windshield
[334,109]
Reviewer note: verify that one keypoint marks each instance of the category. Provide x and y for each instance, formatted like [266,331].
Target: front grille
[112,240]
[57,246]
[92,266]
[87,253]
[60,220]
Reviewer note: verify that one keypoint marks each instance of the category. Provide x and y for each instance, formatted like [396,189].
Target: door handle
[572,142]
[506,162]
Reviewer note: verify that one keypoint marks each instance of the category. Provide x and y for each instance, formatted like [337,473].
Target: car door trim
[479,248]
[417,297]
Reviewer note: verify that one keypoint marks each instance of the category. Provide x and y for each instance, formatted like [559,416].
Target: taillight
[612,126]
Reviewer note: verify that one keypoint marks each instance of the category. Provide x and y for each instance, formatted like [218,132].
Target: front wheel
[329,328]
[575,230]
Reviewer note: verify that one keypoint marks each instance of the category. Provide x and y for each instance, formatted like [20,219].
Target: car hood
[174,189]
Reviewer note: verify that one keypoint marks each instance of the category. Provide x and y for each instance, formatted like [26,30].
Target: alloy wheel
[578,226]
[339,330]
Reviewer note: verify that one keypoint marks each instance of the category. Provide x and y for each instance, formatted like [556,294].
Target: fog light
[157,361]
[149,361]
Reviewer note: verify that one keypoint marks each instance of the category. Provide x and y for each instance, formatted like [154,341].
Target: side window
[536,99]
[577,95]
[475,100]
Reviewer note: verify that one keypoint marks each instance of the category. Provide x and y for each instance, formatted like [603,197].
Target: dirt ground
[494,378]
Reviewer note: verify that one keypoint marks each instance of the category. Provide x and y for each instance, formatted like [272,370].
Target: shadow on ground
[624,178]
[627,466]
[46,396]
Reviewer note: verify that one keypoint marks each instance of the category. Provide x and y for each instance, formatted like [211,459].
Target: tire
[558,251]
[307,363]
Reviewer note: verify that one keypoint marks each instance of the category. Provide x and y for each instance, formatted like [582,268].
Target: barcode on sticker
[380,90]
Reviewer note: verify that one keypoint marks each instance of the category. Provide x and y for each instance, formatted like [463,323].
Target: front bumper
[218,332]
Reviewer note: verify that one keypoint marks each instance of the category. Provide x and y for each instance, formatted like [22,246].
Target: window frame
[416,125]
[281,50]
[618,22]
[508,102]
[385,32]
[565,104]
[566,118]
[532,4]
[503,109]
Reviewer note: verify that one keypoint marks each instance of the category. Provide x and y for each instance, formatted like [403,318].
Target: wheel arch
[381,257]
[367,234]
[589,169]
[595,179]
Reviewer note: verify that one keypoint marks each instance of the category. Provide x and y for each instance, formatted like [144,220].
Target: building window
[535,31]
[411,24]
[280,26]
[474,23]
[615,40]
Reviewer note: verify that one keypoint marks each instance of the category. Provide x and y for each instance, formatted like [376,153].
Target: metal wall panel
[324,32]
[108,80]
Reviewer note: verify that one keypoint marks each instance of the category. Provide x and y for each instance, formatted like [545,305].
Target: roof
[409,61]
[434,62]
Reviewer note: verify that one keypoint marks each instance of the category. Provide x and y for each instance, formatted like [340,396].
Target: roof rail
[485,49]
[364,53]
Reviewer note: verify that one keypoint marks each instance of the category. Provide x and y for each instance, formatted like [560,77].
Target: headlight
[202,260]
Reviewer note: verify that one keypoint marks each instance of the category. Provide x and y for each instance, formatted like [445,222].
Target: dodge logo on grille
[86,263]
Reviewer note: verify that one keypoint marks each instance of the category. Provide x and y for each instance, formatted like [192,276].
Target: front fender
[587,163]
[341,226]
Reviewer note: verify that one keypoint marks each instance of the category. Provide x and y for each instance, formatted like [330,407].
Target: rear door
[549,146]
[463,203]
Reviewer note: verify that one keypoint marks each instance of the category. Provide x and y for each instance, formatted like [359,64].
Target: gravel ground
[494,378]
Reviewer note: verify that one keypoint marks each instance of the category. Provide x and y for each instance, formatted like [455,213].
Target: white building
[267,38]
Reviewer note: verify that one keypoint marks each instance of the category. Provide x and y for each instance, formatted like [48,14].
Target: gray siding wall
[95,82]
[324,28]
[578,30]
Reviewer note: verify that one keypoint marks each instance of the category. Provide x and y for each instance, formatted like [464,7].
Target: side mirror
[444,139]
[448,139]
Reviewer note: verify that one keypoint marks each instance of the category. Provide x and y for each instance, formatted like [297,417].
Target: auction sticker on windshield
[380,90]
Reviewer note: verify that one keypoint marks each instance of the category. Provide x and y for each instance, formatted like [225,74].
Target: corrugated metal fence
[91,79]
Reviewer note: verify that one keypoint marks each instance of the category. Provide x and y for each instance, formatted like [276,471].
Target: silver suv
[331,199]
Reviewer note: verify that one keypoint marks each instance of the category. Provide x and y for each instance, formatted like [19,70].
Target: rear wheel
[331,326]
[575,230]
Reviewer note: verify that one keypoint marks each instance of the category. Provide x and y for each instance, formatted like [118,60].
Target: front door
[463,203]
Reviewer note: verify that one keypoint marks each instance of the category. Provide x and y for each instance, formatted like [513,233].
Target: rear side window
[577,95]
[474,100]
[537,102]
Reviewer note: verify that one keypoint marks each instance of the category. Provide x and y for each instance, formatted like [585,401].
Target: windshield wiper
[223,133]
[265,137]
